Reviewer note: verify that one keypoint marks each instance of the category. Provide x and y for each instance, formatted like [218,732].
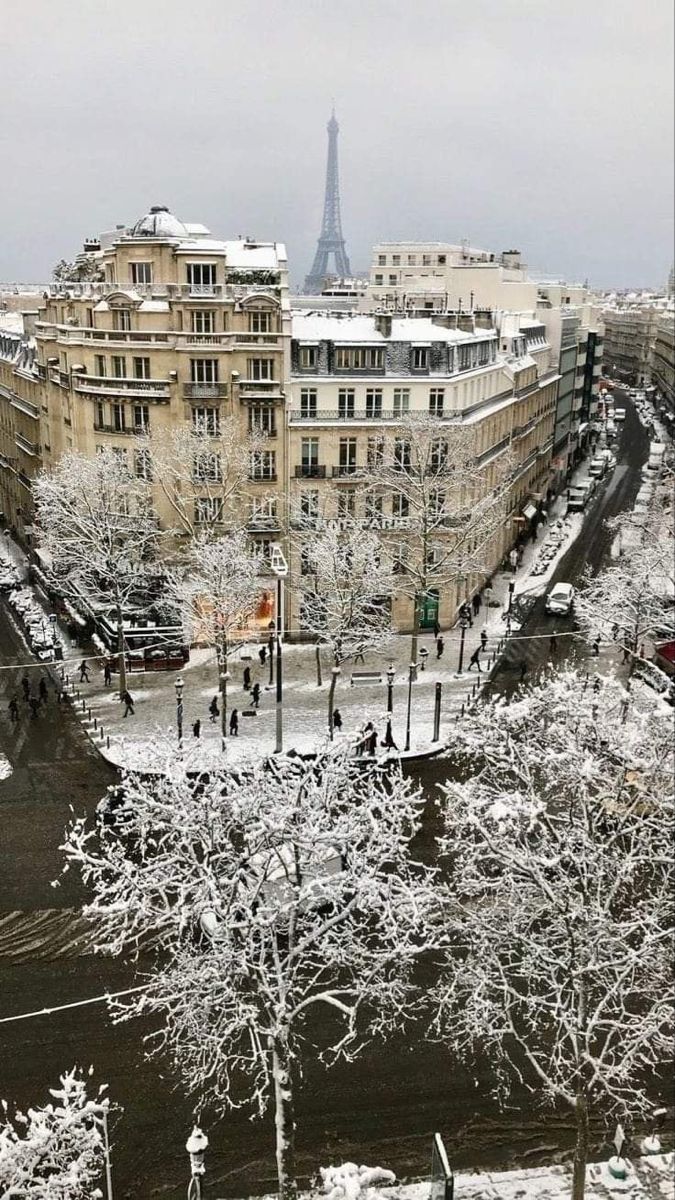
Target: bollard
[95,722]
[101,733]
[89,714]
[84,706]
[462,710]
[107,743]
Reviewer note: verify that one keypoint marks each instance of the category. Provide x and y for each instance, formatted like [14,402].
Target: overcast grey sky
[536,124]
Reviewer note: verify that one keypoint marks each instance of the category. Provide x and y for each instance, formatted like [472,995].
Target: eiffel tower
[331,240]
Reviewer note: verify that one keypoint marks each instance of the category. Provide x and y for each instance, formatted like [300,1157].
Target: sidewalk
[133,741]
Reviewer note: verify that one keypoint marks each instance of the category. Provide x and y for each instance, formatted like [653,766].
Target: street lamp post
[179,685]
[463,626]
[391,675]
[279,568]
[424,654]
[411,675]
[196,1147]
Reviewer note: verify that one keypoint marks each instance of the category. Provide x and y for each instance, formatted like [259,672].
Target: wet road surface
[382,1109]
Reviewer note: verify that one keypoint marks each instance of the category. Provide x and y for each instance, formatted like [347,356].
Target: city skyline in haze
[526,125]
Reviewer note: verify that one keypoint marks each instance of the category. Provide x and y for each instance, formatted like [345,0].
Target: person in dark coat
[13,709]
[523,670]
[25,684]
[474,661]
[234,723]
[107,675]
[42,688]
[337,719]
[389,737]
[437,629]
[476,603]
[372,742]
[84,672]
[128,704]
[553,643]
[262,655]
[255,694]
[440,647]
[34,706]
[483,639]
[595,648]
[214,711]
[465,612]
[247,679]
[197,728]
[364,740]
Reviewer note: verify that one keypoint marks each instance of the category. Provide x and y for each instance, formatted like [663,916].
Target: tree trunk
[415,635]
[222,680]
[331,699]
[284,1118]
[319,680]
[121,664]
[581,1147]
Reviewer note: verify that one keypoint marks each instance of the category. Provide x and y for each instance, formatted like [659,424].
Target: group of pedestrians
[33,700]
[368,738]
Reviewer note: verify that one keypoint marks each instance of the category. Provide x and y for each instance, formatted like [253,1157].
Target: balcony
[98,385]
[25,406]
[27,447]
[344,470]
[132,430]
[267,389]
[204,391]
[263,523]
[310,471]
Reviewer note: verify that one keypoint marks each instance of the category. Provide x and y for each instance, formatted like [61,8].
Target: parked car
[597,467]
[610,428]
[619,414]
[560,599]
[577,499]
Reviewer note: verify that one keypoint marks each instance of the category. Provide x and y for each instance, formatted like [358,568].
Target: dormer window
[201,277]
[308,357]
[121,319]
[420,358]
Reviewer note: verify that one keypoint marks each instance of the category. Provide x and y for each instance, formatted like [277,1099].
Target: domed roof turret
[159,223]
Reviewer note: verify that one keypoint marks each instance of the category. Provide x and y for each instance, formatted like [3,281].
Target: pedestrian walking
[483,639]
[553,643]
[84,672]
[513,559]
[262,655]
[544,516]
[437,629]
[107,675]
[234,723]
[255,694]
[474,661]
[25,684]
[364,740]
[34,706]
[128,703]
[247,679]
[626,654]
[389,742]
[337,719]
[42,687]
[465,612]
[596,684]
[476,603]
[13,709]
[595,647]
[523,670]
[615,631]
[520,554]
[440,647]
[197,728]
[372,742]
[214,711]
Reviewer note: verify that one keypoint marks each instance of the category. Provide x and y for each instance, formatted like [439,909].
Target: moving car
[560,599]
[597,468]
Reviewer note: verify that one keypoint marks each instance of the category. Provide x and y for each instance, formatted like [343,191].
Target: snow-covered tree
[94,518]
[447,507]
[202,472]
[282,891]
[87,267]
[346,593]
[559,847]
[216,590]
[631,600]
[56,1152]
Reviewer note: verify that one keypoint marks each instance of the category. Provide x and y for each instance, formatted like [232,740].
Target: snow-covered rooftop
[333,327]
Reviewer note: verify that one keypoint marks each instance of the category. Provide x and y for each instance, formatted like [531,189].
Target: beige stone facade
[179,330]
[441,276]
[355,377]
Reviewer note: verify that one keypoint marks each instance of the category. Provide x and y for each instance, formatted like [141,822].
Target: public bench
[365,677]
